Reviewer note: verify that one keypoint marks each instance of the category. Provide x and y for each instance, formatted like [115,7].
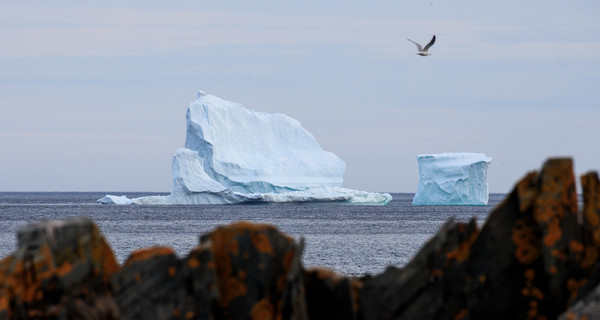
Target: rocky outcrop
[66,270]
[61,269]
[536,257]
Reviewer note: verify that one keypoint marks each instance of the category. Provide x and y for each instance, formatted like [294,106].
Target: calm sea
[349,239]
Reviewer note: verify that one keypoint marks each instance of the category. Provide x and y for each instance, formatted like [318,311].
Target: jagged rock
[155,284]
[587,302]
[258,272]
[238,270]
[61,269]
[331,296]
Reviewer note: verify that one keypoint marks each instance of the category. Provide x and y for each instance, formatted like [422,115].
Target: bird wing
[418,45]
[430,43]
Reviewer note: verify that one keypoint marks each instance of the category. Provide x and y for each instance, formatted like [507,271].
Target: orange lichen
[533,304]
[590,257]
[575,246]
[596,237]
[463,250]
[552,270]
[193,263]
[437,273]
[461,314]
[101,253]
[529,274]
[533,309]
[172,271]
[326,274]
[573,285]
[559,254]
[523,236]
[262,310]
[554,233]
[148,253]
[261,243]
[537,293]
[232,289]
[527,191]
[63,269]
[281,282]
[355,288]
[288,258]
[190,315]
[544,214]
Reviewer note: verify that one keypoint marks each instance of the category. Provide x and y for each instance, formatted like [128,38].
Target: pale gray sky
[93,96]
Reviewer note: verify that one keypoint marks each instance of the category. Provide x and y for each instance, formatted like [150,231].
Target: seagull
[423,51]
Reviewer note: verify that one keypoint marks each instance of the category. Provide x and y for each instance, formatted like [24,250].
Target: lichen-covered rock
[586,304]
[155,284]
[240,270]
[258,272]
[61,269]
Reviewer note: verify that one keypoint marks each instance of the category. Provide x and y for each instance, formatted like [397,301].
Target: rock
[61,269]
[258,272]
[586,304]
[238,270]
[331,296]
[155,284]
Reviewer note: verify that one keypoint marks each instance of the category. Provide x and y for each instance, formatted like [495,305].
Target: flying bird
[423,51]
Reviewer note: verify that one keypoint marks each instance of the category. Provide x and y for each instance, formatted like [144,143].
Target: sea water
[349,239]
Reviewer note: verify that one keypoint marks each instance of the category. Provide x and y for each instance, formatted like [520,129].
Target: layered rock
[536,257]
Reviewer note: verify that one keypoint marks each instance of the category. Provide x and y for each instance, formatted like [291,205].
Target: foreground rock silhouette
[536,257]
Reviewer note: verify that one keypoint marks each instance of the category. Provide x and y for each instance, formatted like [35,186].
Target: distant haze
[93,95]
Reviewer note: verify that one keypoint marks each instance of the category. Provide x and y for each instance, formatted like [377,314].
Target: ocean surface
[349,239]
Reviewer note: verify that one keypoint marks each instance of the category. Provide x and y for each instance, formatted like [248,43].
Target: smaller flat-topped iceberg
[235,155]
[452,179]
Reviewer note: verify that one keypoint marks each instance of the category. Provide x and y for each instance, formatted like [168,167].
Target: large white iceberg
[234,155]
[452,179]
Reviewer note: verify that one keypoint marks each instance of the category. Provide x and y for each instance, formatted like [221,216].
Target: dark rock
[586,304]
[331,296]
[258,272]
[155,284]
[61,269]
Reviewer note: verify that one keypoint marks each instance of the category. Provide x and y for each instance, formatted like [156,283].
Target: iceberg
[109,199]
[234,155]
[452,179]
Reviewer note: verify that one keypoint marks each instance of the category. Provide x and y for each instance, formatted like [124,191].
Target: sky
[93,94]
